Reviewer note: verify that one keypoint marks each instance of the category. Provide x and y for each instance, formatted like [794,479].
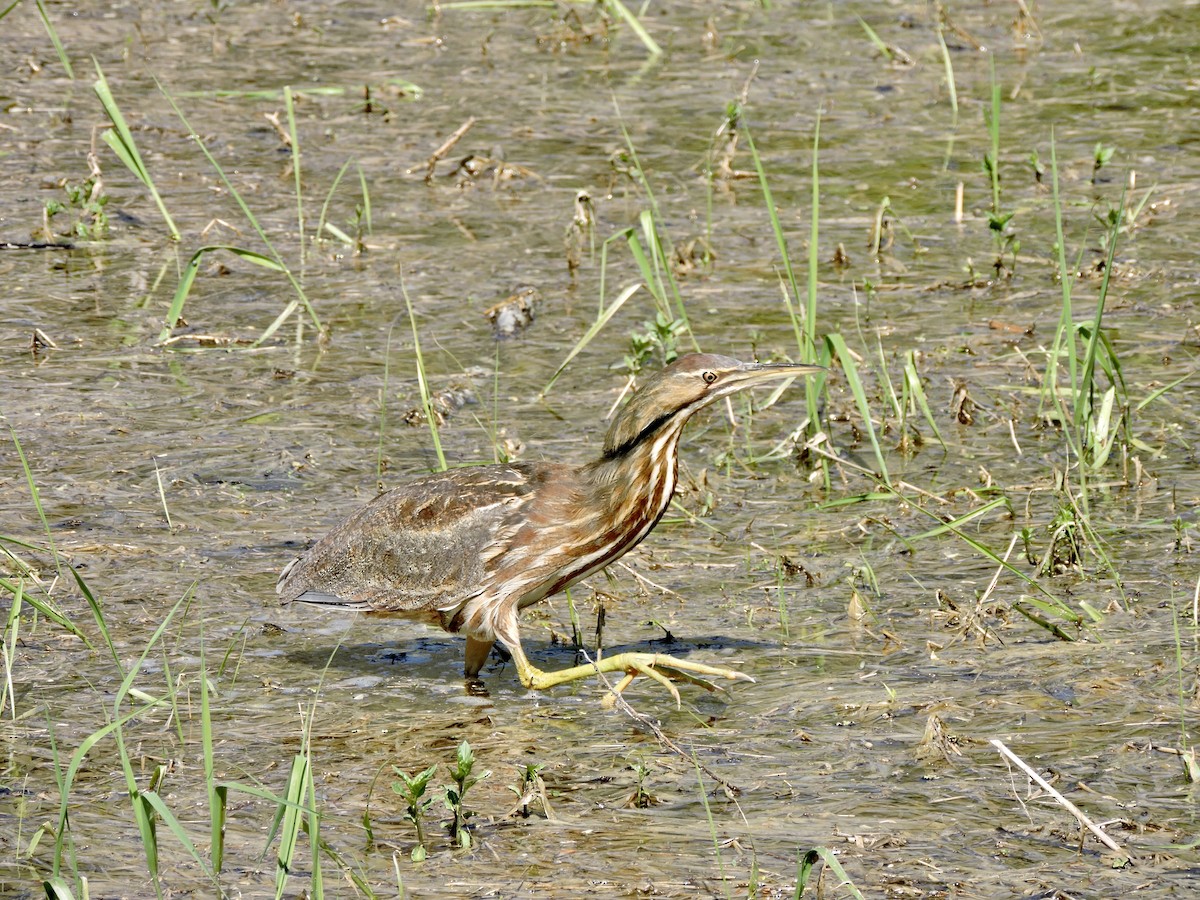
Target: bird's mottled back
[419,546]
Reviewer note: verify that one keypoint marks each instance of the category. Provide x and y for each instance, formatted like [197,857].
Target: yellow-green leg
[656,666]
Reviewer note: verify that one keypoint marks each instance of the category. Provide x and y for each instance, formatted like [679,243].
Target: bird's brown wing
[421,546]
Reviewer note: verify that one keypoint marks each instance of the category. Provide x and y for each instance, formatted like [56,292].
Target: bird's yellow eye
[709,377]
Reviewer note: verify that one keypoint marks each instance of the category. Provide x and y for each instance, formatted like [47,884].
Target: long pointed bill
[755,373]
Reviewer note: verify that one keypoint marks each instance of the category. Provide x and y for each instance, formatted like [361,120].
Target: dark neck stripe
[624,448]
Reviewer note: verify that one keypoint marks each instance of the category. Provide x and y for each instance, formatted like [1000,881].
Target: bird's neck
[636,482]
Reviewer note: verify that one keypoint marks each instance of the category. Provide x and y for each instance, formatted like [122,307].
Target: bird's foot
[657,666]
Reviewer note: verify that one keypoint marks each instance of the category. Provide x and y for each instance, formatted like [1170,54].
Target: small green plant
[657,338]
[806,867]
[529,789]
[641,798]
[412,789]
[86,201]
[456,794]
[1007,243]
[1038,167]
[1100,158]
[1064,554]
[1183,543]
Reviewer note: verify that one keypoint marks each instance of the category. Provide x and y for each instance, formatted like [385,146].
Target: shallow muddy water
[885,659]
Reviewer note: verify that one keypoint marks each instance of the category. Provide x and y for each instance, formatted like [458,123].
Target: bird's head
[689,384]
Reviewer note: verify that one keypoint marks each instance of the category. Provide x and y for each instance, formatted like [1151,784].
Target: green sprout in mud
[1183,543]
[1038,167]
[529,789]
[659,338]
[1101,157]
[413,791]
[641,798]
[456,795]
[87,201]
[1109,219]
[1007,243]
[1064,553]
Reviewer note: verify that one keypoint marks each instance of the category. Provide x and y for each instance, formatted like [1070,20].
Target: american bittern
[468,549]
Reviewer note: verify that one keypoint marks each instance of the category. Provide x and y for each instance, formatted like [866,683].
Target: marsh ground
[886,658]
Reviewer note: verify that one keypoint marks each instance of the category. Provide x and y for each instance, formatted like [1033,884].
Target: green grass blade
[289,103]
[994,133]
[776,227]
[188,279]
[383,404]
[1058,606]
[623,12]
[120,139]
[312,827]
[887,385]
[47,609]
[217,795]
[810,315]
[12,631]
[1065,335]
[176,827]
[323,219]
[664,251]
[261,793]
[999,503]
[292,822]
[162,495]
[365,193]
[592,331]
[270,330]
[250,217]
[53,33]
[648,263]
[37,498]
[339,234]
[1166,388]
[948,66]
[57,889]
[838,348]
[804,869]
[1084,408]
[147,823]
[712,825]
[1041,622]
[97,613]
[77,759]
[875,39]
[112,138]
[422,383]
[916,390]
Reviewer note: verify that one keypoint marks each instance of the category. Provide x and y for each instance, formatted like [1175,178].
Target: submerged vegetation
[959,569]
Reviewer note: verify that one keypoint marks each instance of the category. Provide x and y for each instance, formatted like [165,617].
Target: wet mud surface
[886,657]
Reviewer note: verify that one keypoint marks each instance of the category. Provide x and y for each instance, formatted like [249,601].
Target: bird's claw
[659,667]
[665,668]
